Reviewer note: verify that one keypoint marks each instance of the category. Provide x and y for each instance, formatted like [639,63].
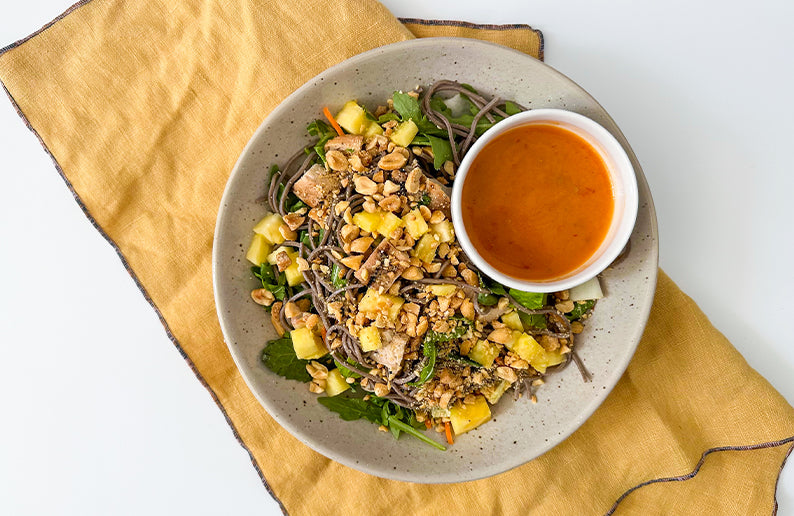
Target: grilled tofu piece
[439,200]
[383,266]
[391,351]
[316,185]
[347,142]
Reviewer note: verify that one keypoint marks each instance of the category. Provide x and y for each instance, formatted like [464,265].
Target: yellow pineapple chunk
[548,359]
[404,133]
[352,117]
[307,345]
[369,336]
[268,228]
[371,128]
[294,276]
[444,230]
[514,336]
[513,321]
[388,223]
[373,303]
[258,250]
[335,383]
[484,352]
[425,249]
[442,290]
[415,224]
[494,392]
[468,417]
[367,221]
[528,348]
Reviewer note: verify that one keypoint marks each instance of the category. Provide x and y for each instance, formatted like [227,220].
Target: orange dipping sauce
[537,202]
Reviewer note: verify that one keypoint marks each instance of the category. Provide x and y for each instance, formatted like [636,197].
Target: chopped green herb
[337,278]
[579,309]
[324,132]
[272,280]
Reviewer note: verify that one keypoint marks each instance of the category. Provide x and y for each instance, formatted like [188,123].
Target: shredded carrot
[448,429]
[428,424]
[330,117]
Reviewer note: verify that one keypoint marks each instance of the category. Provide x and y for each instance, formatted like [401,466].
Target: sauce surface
[537,202]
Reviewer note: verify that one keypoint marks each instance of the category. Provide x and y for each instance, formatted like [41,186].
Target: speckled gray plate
[519,431]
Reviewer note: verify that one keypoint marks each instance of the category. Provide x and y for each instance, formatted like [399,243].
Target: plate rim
[462,476]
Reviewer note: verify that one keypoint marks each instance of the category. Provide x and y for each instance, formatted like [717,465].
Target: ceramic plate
[519,431]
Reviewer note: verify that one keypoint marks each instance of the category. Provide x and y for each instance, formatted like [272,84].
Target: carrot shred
[428,424]
[448,429]
[330,117]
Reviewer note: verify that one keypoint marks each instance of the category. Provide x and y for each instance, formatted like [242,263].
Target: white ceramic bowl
[624,187]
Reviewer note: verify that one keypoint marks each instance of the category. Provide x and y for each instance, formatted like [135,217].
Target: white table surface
[102,416]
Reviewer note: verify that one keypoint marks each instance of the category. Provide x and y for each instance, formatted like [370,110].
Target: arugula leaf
[580,308]
[535,321]
[337,279]
[324,132]
[407,106]
[273,281]
[279,357]
[430,353]
[386,117]
[442,151]
[351,409]
[408,429]
[460,358]
[511,108]
[531,300]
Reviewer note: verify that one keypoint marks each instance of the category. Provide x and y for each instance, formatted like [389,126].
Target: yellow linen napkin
[145,106]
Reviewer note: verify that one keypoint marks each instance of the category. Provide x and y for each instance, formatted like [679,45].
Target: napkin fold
[144,108]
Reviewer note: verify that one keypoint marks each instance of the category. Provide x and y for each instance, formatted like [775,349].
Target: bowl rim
[622,177]
[618,366]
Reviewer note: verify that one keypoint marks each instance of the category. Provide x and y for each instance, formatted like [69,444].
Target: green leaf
[459,358]
[469,87]
[386,117]
[442,151]
[344,371]
[531,300]
[425,200]
[279,357]
[579,309]
[351,409]
[407,106]
[511,108]
[408,429]
[337,278]
[271,280]
[495,287]
[430,353]
[420,139]
[324,132]
[537,321]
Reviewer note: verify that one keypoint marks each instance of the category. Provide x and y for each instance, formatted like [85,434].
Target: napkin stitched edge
[175,341]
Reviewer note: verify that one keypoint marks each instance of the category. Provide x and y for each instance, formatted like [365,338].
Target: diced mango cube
[528,348]
[367,221]
[369,337]
[268,228]
[425,248]
[374,303]
[513,321]
[484,352]
[442,290]
[294,276]
[258,250]
[335,383]
[415,224]
[388,223]
[404,133]
[444,230]
[371,128]
[352,117]
[307,345]
[495,391]
[468,417]
[514,336]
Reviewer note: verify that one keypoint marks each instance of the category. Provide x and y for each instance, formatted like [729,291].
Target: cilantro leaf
[279,357]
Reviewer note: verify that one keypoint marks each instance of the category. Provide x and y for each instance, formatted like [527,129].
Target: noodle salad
[378,309]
